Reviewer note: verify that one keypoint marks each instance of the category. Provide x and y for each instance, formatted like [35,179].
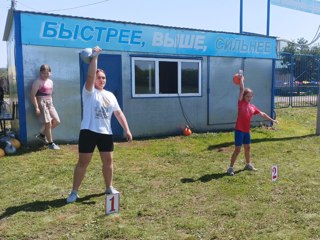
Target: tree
[4,79]
[306,60]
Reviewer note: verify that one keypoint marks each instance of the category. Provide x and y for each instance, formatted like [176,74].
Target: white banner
[310,6]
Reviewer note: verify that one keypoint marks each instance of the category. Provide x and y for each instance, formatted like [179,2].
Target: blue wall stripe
[20,78]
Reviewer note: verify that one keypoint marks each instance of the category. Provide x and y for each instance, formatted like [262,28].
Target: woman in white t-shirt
[98,107]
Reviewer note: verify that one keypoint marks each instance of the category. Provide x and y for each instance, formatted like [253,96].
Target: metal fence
[296,80]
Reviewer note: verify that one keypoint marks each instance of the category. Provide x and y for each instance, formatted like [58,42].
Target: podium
[112,203]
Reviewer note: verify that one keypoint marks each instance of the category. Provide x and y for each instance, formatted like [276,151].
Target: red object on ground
[187,131]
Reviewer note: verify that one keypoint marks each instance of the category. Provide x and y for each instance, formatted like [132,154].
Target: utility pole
[268,18]
[318,114]
[13,4]
[241,17]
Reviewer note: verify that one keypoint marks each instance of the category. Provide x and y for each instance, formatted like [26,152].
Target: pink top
[46,88]
[245,112]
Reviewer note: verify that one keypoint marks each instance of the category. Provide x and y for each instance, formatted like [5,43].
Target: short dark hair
[45,67]
[100,70]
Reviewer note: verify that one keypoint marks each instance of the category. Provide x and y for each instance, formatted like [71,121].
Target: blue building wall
[57,40]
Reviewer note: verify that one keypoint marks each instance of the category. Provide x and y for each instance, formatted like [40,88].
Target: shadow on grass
[229,144]
[209,177]
[85,200]
[215,176]
[36,146]
[39,206]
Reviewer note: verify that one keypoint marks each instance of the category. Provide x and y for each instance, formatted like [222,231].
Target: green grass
[172,188]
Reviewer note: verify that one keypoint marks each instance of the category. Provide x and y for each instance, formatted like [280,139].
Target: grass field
[172,188]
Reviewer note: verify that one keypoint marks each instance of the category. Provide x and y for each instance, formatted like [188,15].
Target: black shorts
[88,140]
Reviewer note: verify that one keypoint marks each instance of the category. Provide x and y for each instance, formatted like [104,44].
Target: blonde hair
[246,91]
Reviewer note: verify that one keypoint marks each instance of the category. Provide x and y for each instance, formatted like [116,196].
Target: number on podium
[112,203]
[274,173]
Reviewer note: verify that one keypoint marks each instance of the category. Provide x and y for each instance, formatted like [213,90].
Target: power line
[316,35]
[315,39]
[64,9]
[27,6]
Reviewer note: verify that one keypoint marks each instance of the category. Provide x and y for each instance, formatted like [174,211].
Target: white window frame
[157,91]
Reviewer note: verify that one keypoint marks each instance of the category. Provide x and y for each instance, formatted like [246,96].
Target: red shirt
[245,112]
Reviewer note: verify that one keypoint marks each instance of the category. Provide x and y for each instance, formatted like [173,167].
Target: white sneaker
[230,171]
[72,197]
[53,146]
[250,167]
[111,190]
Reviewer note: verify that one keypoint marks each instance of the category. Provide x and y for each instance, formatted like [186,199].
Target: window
[166,77]
[145,79]
[190,77]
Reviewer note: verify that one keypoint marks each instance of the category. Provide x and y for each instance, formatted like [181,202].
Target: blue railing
[296,80]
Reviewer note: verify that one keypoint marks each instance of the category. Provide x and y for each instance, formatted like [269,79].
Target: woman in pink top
[41,98]
[242,129]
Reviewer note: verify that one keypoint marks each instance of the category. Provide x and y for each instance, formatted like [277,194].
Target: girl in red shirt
[242,129]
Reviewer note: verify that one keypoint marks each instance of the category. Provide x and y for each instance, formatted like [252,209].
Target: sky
[216,15]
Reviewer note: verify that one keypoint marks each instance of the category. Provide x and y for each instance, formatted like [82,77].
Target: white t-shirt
[98,107]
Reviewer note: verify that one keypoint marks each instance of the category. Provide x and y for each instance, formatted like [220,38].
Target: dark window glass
[168,77]
[190,77]
[144,77]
